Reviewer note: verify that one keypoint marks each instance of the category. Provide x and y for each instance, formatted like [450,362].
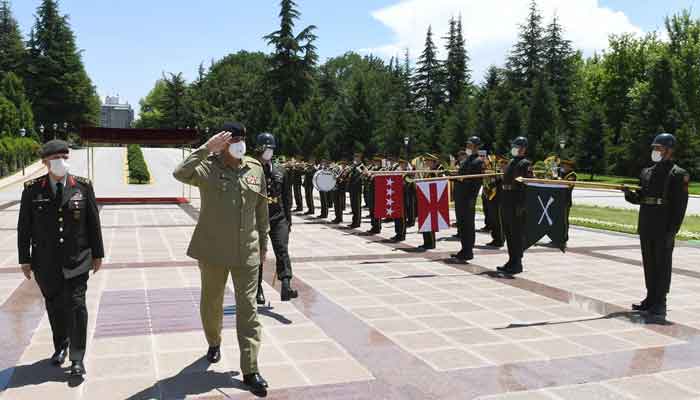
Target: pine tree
[294,58]
[511,126]
[559,64]
[12,50]
[456,71]
[174,103]
[526,60]
[541,123]
[59,88]
[12,89]
[289,130]
[428,80]
[592,146]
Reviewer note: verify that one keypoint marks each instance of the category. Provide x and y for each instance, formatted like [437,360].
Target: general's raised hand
[218,142]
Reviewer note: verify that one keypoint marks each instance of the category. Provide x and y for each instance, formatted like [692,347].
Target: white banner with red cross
[433,206]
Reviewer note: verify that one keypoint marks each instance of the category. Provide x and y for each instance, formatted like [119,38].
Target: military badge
[251,180]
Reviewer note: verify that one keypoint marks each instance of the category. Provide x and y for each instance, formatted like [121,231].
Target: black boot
[256,383]
[77,368]
[260,296]
[641,306]
[287,293]
[214,354]
[59,357]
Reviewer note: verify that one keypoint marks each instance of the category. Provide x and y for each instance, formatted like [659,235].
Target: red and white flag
[388,196]
[433,206]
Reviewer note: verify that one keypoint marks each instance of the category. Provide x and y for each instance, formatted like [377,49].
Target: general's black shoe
[260,296]
[287,293]
[641,306]
[463,257]
[657,311]
[256,383]
[399,239]
[59,357]
[504,268]
[77,368]
[214,354]
[494,244]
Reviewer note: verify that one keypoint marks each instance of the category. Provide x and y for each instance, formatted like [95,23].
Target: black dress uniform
[279,208]
[326,202]
[338,196]
[663,199]
[309,189]
[466,193]
[295,175]
[492,201]
[513,211]
[59,234]
[370,186]
[355,191]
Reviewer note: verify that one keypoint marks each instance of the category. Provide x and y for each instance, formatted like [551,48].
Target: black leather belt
[652,201]
[273,200]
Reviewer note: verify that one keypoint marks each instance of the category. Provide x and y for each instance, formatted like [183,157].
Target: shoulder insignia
[252,160]
[32,182]
[84,181]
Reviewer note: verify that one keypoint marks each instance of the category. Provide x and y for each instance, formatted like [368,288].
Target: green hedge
[138,171]
[15,152]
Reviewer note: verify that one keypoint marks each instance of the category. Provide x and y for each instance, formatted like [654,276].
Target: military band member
[59,240]
[457,187]
[376,222]
[488,212]
[432,163]
[295,174]
[230,238]
[308,173]
[465,198]
[663,200]
[513,206]
[338,194]
[494,194]
[401,223]
[280,212]
[354,185]
[325,196]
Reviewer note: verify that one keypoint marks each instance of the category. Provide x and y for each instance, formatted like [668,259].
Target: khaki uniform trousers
[248,328]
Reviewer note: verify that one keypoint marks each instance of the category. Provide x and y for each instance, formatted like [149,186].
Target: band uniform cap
[520,141]
[237,129]
[54,147]
[664,139]
[474,140]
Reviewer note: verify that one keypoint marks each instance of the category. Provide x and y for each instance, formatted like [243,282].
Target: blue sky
[128,44]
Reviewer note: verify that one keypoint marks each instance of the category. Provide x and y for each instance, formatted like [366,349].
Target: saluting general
[230,238]
[59,240]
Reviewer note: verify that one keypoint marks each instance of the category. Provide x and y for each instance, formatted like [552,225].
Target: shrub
[138,171]
[15,152]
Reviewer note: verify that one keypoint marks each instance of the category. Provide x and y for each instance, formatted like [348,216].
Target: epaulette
[253,161]
[31,182]
[84,181]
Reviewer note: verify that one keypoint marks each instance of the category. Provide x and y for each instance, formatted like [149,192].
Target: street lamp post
[23,133]
[42,129]
[65,130]
[55,128]
[562,145]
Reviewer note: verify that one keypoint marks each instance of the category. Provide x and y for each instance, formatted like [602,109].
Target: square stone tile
[46,390]
[137,365]
[453,358]
[121,388]
[311,351]
[421,309]
[397,325]
[295,333]
[181,341]
[193,362]
[506,353]
[522,333]
[525,395]
[566,329]
[588,392]
[444,322]
[689,378]
[472,336]
[488,319]
[283,376]
[556,348]
[601,343]
[421,341]
[646,338]
[651,388]
[334,371]
[375,312]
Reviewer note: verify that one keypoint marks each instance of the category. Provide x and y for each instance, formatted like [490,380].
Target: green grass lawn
[693,188]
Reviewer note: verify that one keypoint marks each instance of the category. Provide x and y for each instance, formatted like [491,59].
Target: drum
[324,181]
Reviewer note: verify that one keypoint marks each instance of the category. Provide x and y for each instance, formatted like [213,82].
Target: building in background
[116,115]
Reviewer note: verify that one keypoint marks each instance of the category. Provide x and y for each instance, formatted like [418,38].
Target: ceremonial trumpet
[586,185]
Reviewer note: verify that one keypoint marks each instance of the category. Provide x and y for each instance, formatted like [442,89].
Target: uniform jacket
[469,189]
[669,182]
[517,167]
[278,186]
[65,234]
[233,223]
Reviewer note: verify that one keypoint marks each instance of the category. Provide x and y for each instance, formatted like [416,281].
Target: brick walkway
[374,320]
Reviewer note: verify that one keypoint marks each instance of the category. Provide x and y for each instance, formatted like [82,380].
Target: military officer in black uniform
[295,179]
[308,173]
[466,193]
[513,206]
[355,190]
[376,222]
[280,211]
[663,199]
[60,241]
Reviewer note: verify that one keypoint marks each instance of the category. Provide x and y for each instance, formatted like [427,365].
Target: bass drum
[324,181]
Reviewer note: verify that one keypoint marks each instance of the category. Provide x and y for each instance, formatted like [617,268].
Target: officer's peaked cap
[53,147]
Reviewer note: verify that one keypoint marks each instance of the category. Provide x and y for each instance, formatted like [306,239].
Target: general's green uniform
[232,229]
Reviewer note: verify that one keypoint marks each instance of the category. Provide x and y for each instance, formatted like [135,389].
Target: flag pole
[583,185]
[458,177]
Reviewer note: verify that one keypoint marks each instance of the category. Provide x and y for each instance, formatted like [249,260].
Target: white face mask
[59,167]
[515,151]
[656,156]
[267,154]
[469,152]
[237,149]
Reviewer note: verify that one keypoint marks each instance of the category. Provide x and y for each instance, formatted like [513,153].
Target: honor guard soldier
[355,190]
[230,238]
[432,164]
[338,194]
[466,193]
[494,194]
[513,206]
[401,222]
[59,241]
[663,199]
[461,156]
[308,173]
[279,209]
[376,222]
[295,174]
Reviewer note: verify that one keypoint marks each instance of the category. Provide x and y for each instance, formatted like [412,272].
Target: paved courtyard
[374,320]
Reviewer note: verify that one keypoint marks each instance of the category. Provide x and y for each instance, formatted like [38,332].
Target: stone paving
[374,320]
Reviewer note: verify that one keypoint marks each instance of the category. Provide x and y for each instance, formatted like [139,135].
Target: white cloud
[491,26]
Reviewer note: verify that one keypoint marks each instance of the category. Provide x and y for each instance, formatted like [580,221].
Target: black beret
[236,128]
[54,147]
